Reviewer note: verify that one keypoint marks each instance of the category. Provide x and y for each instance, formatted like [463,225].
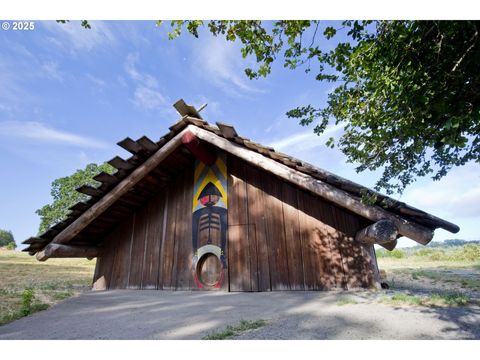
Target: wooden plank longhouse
[204,208]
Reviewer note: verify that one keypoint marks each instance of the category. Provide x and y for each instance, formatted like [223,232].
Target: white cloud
[148,99]
[147,93]
[311,148]
[96,81]
[51,69]
[457,195]
[213,109]
[141,78]
[221,62]
[305,140]
[5,108]
[40,132]
[72,36]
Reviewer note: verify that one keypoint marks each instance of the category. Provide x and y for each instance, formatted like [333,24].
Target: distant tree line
[449,250]
[64,194]
[6,239]
[451,242]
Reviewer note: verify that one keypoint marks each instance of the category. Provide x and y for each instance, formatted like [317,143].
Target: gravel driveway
[130,314]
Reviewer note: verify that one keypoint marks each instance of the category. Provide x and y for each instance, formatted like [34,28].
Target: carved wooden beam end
[389,245]
[383,232]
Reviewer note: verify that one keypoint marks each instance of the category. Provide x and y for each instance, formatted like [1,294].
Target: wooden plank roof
[143,148]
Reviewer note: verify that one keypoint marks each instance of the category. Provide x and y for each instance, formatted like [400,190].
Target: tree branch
[466,52]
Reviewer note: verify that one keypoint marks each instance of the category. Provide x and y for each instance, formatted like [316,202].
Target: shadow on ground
[130,314]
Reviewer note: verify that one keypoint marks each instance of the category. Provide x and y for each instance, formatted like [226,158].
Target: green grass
[25,281]
[346,301]
[232,331]
[466,255]
[62,295]
[439,275]
[402,299]
[28,306]
[447,299]
[433,266]
[394,254]
[13,315]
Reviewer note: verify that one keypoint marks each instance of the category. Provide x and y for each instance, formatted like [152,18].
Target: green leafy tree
[6,239]
[64,194]
[407,92]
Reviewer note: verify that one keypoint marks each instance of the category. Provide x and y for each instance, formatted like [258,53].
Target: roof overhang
[305,176]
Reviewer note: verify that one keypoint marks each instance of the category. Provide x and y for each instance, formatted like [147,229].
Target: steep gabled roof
[224,136]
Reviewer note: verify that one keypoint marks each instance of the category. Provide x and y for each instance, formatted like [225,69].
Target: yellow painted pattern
[198,171]
[210,177]
[221,166]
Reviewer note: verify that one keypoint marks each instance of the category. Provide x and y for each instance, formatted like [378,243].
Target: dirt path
[129,314]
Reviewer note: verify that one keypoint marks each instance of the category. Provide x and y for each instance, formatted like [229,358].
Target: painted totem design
[209,223]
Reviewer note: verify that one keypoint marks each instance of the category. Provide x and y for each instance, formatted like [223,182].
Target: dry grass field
[449,272]
[27,285]
[425,277]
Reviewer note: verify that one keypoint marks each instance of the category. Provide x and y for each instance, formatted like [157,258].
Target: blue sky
[67,95]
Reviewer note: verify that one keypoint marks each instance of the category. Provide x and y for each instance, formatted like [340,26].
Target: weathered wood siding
[283,238]
[152,249]
[279,238]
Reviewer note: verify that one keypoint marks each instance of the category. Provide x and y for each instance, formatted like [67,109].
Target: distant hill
[449,243]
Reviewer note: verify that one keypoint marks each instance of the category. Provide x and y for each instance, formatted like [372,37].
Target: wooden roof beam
[89,190]
[147,144]
[68,251]
[34,240]
[120,164]
[130,145]
[118,191]
[187,110]
[339,197]
[227,130]
[105,178]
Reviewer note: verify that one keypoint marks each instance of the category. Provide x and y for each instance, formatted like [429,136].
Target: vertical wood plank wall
[153,248]
[279,238]
[283,238]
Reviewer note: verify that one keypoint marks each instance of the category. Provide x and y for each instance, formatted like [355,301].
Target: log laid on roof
[120,189]
[227,130]
[147,144]
[381,232]
[407,228]
[120,164]
[34,239]
[130,145]
[185,109]
[80,206]
[105,178]
[67,251]
[89,190]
